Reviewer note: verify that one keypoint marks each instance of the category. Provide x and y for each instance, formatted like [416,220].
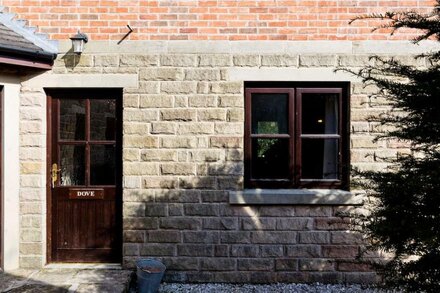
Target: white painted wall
[11,172]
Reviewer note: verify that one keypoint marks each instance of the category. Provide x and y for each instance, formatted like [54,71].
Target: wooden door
[84,175]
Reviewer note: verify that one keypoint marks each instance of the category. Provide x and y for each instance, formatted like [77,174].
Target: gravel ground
[272,288]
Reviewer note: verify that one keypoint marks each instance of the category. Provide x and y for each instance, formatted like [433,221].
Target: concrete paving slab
[65,280]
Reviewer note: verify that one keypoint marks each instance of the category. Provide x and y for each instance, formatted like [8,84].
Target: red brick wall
[211,20]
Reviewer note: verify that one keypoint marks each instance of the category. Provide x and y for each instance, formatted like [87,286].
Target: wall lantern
[78,42]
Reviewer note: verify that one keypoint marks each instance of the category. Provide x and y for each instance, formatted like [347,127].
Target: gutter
[34,54]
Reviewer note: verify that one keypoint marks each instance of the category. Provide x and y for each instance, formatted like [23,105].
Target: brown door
[84,175]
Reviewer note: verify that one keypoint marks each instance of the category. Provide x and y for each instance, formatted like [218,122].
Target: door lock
[54,174]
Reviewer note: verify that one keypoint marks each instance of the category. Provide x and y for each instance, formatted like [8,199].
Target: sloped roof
[21,45]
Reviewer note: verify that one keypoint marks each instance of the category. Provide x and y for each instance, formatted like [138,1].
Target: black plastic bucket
[149,273]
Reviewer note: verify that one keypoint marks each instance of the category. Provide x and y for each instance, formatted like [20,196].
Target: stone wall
[183,152]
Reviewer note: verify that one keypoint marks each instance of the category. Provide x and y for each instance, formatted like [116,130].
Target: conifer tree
[405,215]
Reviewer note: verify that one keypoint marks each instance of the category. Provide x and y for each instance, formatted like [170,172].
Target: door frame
[49,118]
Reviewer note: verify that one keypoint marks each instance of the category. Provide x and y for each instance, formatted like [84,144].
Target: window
[296,137]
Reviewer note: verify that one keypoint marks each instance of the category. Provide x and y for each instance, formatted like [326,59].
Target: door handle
[54,174]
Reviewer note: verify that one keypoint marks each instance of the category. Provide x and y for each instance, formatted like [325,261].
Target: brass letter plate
[86,194]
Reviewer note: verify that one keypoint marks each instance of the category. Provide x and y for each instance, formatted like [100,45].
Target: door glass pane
[102,164]
[319,158]
[72,165]
[72,119]
[102,119]
[319,113]
[270,113]
[270,158]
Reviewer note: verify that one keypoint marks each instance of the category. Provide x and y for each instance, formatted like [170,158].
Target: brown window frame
[295,137]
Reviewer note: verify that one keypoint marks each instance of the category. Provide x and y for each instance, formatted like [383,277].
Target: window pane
[319,113]
[319,158]
[102,119]
[102,164]
[270,113]
[270,158]
[72,119]
[72,165]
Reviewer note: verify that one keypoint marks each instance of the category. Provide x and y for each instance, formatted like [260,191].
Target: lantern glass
[78,46]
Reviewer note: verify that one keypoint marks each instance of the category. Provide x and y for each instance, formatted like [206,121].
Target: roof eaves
[19,26]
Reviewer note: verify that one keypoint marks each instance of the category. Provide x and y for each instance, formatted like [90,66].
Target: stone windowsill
[294,196]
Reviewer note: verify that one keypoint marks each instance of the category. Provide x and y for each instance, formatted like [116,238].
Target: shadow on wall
[186,221]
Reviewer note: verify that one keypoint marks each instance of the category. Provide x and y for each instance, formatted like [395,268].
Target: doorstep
[53,280]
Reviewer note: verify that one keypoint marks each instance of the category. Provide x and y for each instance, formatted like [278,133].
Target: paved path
[65,280]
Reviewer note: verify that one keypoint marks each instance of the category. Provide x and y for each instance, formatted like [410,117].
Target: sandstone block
[144,115]
[180,223]
[197,182]
[317,60]
[158,155]
[215,60]
[31,248]
[195,250]
[211,114]
[255,264]
[134,209]
[130,101]
[138,60]
[162,73]
[235,115]
[162,249]
[340,251]
[226,142]
[244,250]
[217,264]
[229,128]
[271,250]
[258,223]
[160,182]
[181,101]
[133,236]
[181,263]
[231,101]
[178,87]
[196,128]
[202,74]
[131,249]
[294,224]
[211,155]
[201,236]
[140,223]
[201,209]
[220,223]
[136,128]
[164,236]
[178,169]
[314,237]
[178,115]
[106,60]
[156,209]
[355,60]
[333,223]
[271,237]
[202,101]
[279,60]
[276,211]
[163,128]
[235,237]
[303,251]
[178,142]
[311,211]
[346,237]
[286,264]
[246,60]
[156,101]
[315,265]
[180,60]
[143,168]
[148,87]
[31,167]
[229,87]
